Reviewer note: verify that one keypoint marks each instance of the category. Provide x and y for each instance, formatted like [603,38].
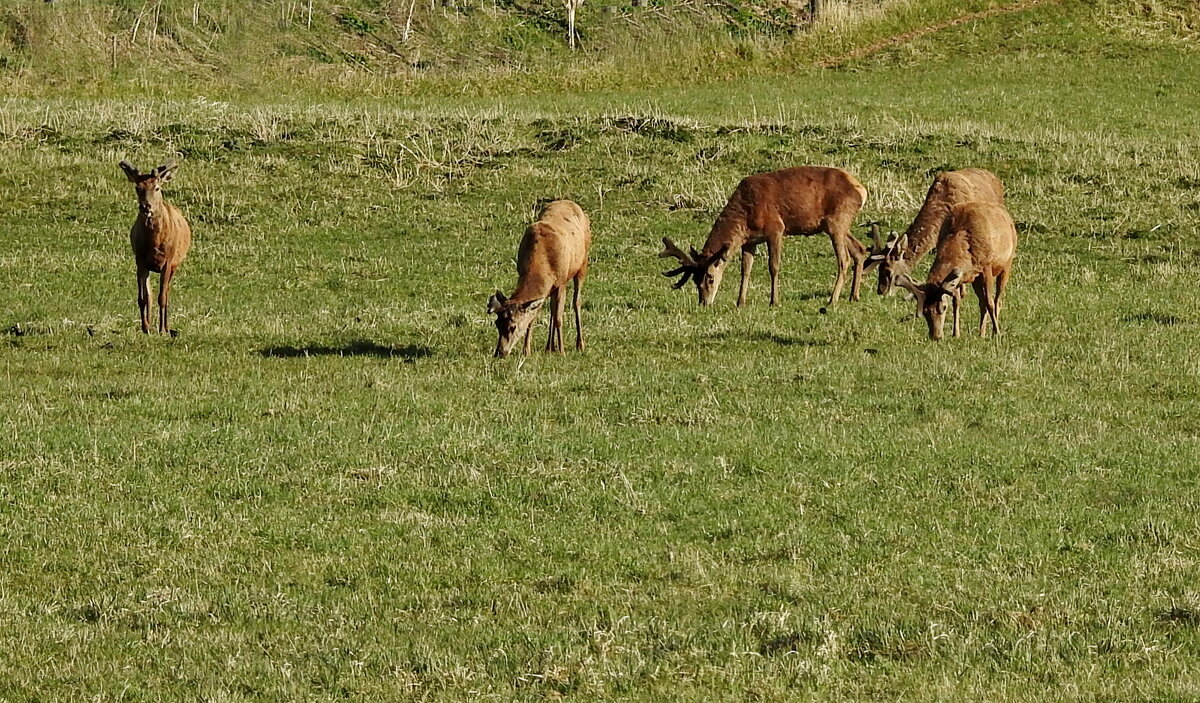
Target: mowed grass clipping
[326,489]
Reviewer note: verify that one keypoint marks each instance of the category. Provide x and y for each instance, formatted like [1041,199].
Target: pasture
[326,489]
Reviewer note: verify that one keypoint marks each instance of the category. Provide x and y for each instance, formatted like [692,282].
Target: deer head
[933,298]
[148,185]
[706,272]
[513,319]
[889,257]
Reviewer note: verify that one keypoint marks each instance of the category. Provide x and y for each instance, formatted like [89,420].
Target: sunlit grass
[325,488]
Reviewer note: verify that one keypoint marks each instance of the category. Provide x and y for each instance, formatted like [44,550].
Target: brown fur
[553,252]
[977,245]
[949,188]
[160,238]
[766,207]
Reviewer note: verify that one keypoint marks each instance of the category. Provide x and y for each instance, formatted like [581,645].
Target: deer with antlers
[766,207]
[977,244]
[553,252]
[901,253]
[160,237]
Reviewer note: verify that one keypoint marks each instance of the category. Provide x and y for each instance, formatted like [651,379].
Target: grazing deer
[160,237]
[766,207]
[977,245]
[902,252]
[553,251]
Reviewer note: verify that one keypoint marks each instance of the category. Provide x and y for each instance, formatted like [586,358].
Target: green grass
[326,489]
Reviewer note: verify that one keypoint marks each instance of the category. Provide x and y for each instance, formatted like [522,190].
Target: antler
[687,265]
[876,236]
[669,249]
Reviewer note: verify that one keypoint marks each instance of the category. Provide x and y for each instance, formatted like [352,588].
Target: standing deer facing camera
[160,237]
[977,245]
[766,207]
[554,251]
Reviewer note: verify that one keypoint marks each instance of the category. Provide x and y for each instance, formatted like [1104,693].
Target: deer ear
[718,257]
[130,172]
[495,302]
[873,260]
[532,304]
[953,280]
[164,172]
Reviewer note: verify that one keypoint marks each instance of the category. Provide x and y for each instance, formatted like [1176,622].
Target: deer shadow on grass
[812,295]
[781,340]
[359,347]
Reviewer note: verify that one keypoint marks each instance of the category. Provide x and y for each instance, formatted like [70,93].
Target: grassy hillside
[325,489]
[373,44]
[390,47]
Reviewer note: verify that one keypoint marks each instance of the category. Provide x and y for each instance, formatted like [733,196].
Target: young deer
[160,237]
[977,245]
[902,252]
[553,251]
[766,207]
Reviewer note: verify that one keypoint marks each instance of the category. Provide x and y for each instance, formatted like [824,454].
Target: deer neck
[155,216]
[954,253]
[926,228]
[533,286]
[727,231]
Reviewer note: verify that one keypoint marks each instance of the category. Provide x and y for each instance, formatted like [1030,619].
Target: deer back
[948,189]
[553,250]
[976,236]
[803,198]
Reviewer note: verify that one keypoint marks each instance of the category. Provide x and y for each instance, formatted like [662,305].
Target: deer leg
[1001,282]
[989,284]
[843,263]
[560,307]
[528,348]
[575,303]
[774,258]
[956,301]
[554,337]
[164,294]
[747,264]
[143,297]
[981,293]
[858,254]
[550,334]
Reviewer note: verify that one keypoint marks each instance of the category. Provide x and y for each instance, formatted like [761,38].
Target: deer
[766,207]
[553,252]
[977,244]
[160,238]
[901,253]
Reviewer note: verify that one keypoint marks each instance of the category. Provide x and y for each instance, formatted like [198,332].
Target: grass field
[326,489]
